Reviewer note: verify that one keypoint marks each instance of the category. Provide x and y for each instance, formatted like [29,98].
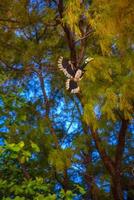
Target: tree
[52,145]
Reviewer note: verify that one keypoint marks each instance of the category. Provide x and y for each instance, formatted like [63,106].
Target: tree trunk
[117,188]
[66,180]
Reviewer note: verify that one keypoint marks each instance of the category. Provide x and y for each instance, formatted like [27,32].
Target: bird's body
[72,86]
[73,74]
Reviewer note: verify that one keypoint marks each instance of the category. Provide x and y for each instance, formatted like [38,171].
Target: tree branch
[69,34]
[109,164]
[25,171]
[85,36]
[121,143]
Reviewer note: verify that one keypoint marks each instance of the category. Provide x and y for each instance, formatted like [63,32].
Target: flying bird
[73,74]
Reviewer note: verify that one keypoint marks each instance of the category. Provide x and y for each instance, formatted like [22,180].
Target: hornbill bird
[73,74]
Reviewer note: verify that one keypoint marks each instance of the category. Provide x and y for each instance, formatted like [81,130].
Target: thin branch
[9,20]
[85,36]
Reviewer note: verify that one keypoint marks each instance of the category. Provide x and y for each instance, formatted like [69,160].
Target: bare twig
[85,36]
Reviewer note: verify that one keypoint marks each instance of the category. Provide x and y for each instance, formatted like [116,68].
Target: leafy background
[55,145]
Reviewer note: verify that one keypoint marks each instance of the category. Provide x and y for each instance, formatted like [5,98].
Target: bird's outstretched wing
[74,75]
[67,67]
[72,86]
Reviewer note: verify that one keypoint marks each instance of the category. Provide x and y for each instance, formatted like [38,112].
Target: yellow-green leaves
[89,115]
[111,103]
[14,147]
[112,20]
[35,147]
[72,13]
[61,159]
[19,151]
[49,197]
[81,189]
[68,195]
[108,82]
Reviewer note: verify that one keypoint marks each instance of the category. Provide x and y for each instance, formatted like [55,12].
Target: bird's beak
[89,60]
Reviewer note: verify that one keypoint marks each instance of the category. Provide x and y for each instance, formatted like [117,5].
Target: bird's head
[87,60]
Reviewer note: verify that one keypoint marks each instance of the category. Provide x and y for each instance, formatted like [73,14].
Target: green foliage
[81,189]
[67,195]
[111,25]
[61,159]
[31,188]
[17,151]
[72,14]
[46,148]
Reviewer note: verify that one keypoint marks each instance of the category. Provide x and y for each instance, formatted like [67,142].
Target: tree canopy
[57,145]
